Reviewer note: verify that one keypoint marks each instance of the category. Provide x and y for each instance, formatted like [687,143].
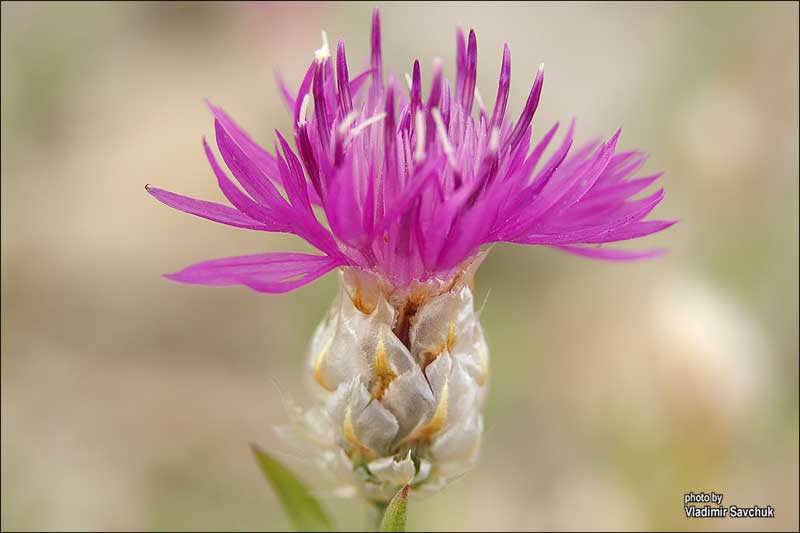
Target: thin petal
[293,178]
[633,231]
[530,107]
[376,59]
[610,254]
[286,94]
[555,235]
[305,85]
[342,207]
[240,201]
[270,272]
[261,157]
[210,210]
[247,171]
[358,82]
[503,86]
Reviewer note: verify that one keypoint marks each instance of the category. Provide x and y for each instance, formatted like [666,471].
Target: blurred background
[128,401]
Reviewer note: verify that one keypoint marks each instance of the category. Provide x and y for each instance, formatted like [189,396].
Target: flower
[401,192]
[412,188]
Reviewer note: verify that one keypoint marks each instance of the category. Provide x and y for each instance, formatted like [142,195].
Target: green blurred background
[128,401]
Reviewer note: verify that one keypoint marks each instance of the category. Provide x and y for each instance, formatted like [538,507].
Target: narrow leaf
[394,519]
[303,510]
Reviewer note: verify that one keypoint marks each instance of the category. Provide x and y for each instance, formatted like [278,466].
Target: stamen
[377,117]
[408,80]
[419,150]
[347,121]
[324,53]
[494,140]
[479,101]
[304,110]
[442,133]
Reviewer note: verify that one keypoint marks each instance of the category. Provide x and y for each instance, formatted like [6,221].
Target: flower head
[402,191]
[408,184]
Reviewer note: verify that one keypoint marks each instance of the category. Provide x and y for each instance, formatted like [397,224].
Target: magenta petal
[209,210]
[236,197]
[616,193]
[376,59]
[262,158]
[522,186]
[286,94]
[595,170]
[610,254]
[406,198]
[409,188]
[342,207]
[470,73]
[634,212]
[358,82]
[269,272]
[303,91]
[461,62]
[502,88]
[343,79]
[293,178]
[466,235]
[632,231]
[621,166]
[246,171]
[530,108]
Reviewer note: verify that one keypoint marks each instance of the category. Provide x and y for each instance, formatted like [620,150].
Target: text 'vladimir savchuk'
[711,507]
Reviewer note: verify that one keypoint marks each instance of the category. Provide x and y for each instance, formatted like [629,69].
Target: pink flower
[412,187]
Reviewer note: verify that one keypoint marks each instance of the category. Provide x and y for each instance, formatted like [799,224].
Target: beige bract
[402,378]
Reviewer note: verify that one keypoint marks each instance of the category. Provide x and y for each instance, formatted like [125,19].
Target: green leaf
[394,519]
[303,510]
